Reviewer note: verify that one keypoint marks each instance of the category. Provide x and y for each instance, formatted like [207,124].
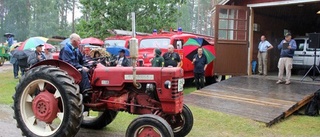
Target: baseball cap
[287,34]
[40,45]
[122,50]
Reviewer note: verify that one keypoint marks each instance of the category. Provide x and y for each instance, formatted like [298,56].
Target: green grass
[207,123]
[7,84]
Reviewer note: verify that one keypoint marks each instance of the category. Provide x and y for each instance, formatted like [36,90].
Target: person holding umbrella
[15,64]
[9,39]
[47,50]
[200,64]
[37,56]
[47,53]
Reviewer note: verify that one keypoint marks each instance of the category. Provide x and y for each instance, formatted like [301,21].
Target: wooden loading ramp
[255,98]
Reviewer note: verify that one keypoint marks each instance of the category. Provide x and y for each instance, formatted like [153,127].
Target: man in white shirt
[264,46]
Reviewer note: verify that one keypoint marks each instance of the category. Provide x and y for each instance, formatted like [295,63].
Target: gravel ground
[6,66]
[8,126]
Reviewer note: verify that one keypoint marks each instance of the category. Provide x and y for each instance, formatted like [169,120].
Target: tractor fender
[72,71]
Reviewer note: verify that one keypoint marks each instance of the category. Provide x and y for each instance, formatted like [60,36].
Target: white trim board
[279,3]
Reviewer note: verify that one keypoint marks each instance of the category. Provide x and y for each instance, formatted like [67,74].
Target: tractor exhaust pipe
[134,50]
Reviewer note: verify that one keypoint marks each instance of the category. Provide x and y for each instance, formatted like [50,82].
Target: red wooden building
[238,25]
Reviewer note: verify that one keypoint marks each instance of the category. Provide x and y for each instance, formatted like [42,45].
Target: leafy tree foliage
[16,18]
[196,16]
[101,15]
[27,18]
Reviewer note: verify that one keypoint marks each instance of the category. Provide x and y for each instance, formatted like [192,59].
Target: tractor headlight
[150,87]
[180,84]
[167,84]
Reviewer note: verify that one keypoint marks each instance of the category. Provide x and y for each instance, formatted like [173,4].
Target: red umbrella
[48,46]
[92,41]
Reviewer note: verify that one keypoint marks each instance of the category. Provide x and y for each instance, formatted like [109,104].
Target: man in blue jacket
[287,47]
[73,56]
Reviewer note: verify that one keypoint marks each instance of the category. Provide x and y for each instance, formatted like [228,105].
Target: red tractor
[48,103]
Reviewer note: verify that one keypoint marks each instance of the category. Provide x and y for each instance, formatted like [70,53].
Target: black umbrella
[20,54]
[8,34]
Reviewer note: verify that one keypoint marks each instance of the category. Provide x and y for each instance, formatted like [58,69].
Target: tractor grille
[175,93]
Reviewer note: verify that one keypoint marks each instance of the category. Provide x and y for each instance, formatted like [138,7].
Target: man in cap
[158,60]
[287,47]
[171,58]
[37,56]
[73,56]
[122,60]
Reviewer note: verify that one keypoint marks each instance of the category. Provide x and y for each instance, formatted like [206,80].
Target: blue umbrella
[64,42]
[115,50]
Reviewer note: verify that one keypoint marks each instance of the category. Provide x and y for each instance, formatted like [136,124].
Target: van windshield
[120,43]
[155,43]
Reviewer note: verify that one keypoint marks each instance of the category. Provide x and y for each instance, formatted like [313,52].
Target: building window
[233,24]
[256,27]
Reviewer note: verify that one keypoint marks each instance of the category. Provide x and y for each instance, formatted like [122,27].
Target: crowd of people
[72,54]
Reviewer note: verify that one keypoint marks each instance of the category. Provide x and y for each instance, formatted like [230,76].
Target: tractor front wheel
[149,125]
[182,123]
[47,103]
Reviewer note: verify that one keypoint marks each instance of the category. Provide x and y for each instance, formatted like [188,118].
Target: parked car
[304,56]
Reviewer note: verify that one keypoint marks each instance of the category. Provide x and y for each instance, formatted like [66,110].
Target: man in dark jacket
[122,60]
[287,47]
[158,60]
[200,64]
[73,56]
[171,58]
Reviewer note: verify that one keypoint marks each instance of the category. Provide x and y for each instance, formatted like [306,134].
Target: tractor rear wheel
[181,124]
[47,103]
[149,125]
[99,120]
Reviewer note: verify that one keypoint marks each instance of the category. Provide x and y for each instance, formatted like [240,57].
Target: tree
[16,18]
[196,17]
[110,14]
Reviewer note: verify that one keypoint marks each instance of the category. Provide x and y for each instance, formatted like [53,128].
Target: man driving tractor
[73,56]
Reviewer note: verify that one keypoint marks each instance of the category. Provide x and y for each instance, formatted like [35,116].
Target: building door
[231,40]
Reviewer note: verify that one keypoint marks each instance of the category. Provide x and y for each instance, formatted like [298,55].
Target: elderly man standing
[287,47]
[264,46]
[73,56]
[171,58]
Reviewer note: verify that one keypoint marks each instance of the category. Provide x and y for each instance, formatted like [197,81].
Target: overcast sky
[78,13]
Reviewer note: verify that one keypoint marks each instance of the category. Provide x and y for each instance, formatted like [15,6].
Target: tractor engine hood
[118,76]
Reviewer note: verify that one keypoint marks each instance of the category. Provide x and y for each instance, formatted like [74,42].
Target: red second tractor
[48,103]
